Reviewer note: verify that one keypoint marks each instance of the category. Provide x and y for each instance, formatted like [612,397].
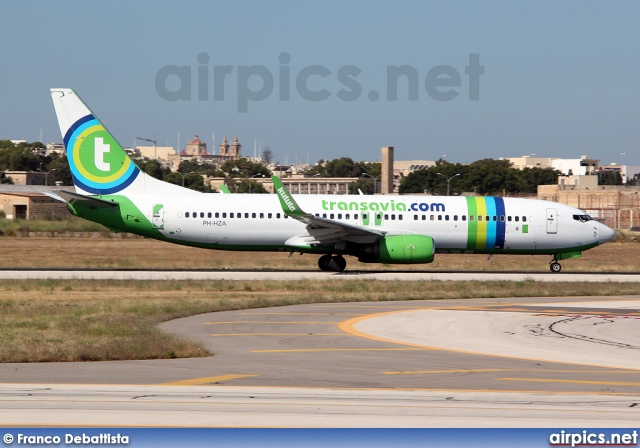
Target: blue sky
[560,78]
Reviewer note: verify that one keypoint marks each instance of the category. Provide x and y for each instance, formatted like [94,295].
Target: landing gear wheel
[555,267]
[335,263]
[324,261]
[339,262]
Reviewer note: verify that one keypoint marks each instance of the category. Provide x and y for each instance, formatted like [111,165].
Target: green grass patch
[80,320]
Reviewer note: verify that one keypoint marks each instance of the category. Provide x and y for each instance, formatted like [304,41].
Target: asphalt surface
[124,274]
[476,362]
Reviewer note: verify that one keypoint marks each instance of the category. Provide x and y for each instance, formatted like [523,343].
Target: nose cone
[605,233]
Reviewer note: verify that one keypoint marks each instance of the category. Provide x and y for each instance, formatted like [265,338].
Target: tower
[235,149]
[386,176]
[224,147]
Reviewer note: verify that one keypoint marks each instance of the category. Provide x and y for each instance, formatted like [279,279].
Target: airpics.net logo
[254,83]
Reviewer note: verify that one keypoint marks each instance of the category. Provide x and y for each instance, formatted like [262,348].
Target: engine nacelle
[405,249]
[396,249]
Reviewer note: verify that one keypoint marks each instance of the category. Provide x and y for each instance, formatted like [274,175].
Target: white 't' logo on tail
[99,151]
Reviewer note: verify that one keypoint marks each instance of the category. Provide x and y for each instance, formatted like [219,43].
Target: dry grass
[98,252]
[58,320]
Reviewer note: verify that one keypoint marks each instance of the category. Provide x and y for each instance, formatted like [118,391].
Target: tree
[62,173]
[428,180]
[344,167]
[365,185]
[539,176]
[609,177]
[5,180]
[267,155]
[153,168]
[246,186]
[244,168]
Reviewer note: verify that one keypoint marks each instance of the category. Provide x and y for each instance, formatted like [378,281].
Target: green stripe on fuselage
[472,232]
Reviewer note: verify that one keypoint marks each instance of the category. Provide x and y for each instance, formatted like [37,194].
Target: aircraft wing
[316,225]
[88,201]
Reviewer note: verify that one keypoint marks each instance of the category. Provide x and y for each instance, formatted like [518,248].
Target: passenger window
[386,217]
[393,217]
[455,217]
[509,218]
[331,216]
[217,215]
[278,215]
[186,215]
[339,215]
[355,216]
[224,215]
[400,217]
[230,215]
[524,219]
[501,218]
[464,217]
[432,218]
[324,215]
[517,219]
[424,217]
[253,215]
[446,217]
[471,218]
[487,218]
[439,217]
[495,218]
[269,215]
[261,215]
[346,216]
[364,216]
[246,215]
[479,218]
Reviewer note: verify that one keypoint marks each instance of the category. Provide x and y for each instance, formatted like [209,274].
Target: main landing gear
[555,266]
[333,263]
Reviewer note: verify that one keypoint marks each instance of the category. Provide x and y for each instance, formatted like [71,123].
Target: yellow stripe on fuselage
[481,238]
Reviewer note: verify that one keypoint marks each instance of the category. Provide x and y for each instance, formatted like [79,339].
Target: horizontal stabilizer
[87,201]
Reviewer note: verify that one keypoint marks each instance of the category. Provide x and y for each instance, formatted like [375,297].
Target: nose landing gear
[555,266]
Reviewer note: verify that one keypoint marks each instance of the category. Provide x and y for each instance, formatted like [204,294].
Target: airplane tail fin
[99,164]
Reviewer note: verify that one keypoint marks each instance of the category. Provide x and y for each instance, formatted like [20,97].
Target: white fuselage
[257,222]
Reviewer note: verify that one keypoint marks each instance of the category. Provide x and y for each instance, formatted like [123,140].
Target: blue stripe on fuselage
[501,225]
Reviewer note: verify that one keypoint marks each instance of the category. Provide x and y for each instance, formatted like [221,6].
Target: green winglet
[224,189]
[289,205]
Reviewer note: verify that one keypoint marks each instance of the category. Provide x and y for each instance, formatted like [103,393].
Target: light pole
[186,174]
[448,180]
[250,181]
[375,180]
[46,176]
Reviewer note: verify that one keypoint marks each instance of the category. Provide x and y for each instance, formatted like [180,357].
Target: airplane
[111,190]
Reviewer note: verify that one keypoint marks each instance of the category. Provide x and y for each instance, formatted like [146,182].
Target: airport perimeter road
[19,274]
[475,362]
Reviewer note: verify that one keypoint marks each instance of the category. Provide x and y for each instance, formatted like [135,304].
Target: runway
[113,274]
[389,364]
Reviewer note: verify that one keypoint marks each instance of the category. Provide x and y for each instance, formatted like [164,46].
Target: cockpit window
[582,218]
